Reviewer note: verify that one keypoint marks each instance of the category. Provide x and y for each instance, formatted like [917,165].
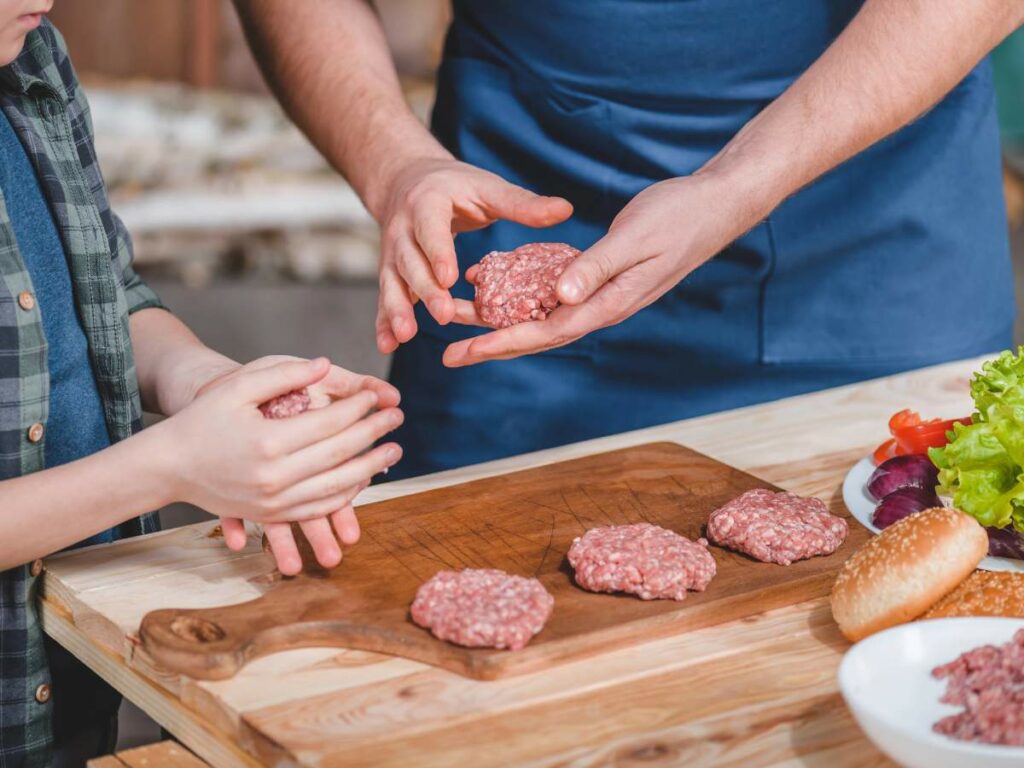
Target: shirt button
[26,301]
[35,433]
[43,693]
[36,568]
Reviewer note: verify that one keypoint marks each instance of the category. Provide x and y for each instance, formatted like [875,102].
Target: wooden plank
[163,754]
[675,712]
[302,706]
[107,761]
[532,517]
[218,748]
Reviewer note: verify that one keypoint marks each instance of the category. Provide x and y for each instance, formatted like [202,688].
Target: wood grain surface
[759,691]
[522,523]
[163,754]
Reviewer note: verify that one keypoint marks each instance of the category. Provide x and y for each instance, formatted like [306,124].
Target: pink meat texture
[642,559]
[482,608]
[777,527]
[515,286]
[291,404]
[988,682]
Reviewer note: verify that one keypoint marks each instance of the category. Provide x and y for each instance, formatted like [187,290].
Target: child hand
[320,533]
[227,458]
[342,525]
[337,384]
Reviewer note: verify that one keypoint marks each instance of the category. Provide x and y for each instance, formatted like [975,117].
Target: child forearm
[171,362]
[219,453]
[47,511]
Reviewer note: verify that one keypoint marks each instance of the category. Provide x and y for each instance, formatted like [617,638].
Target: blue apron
[897,259]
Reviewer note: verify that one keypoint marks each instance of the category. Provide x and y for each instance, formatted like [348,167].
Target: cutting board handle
[214,643]
[214,646]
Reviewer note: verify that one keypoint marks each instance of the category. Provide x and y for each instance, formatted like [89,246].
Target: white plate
[862,507]
[887,683]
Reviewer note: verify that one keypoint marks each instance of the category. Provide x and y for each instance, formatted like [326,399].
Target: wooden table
[163,754]
[752,693]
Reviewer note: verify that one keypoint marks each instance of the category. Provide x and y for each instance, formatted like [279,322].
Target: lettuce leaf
[999,382]
[982,467]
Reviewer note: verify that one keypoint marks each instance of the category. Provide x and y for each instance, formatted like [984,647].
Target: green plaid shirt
[41,97]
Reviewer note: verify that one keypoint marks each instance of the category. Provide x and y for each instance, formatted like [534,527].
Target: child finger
[321,538]
[282,544]
[336,450]
[299,499]
[258,386]
[346,525]
[306,429]
[235,537]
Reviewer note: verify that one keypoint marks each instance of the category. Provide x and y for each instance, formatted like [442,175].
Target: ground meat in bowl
[988,682]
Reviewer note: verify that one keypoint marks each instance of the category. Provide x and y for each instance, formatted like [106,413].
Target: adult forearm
[329,64]
[893,62]
[47,511]
[171,362]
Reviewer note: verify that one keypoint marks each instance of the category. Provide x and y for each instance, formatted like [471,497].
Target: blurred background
[239,224]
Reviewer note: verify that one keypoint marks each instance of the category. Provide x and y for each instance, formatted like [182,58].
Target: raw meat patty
[482,608]
[777,527]
[292,404]
[642,559]
[515,286]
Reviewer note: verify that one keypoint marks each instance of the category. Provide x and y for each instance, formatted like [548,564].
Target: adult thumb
[589,271]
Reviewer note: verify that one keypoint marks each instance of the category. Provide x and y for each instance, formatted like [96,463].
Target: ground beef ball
[642,559]
[777,527]
[292,404]
[482,608]
[988,682]
[515,286]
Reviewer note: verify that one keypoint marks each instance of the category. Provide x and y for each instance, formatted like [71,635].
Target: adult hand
[235,463]
[429,202]
[662,235]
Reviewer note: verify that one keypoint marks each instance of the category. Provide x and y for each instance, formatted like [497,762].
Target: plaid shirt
[41,97]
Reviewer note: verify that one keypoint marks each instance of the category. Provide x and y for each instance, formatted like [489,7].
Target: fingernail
[443,273]
[391,454]
[437,306]
[572,289]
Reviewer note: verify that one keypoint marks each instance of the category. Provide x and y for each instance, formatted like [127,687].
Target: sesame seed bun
[983,594]
[901,573]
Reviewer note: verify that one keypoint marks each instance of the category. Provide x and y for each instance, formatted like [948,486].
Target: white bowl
[887,683]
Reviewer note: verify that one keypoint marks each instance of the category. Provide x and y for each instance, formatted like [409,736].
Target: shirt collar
[25,72]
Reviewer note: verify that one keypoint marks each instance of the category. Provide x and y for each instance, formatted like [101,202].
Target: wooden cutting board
[522,523]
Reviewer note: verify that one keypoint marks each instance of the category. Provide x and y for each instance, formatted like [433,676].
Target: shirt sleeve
[137,294]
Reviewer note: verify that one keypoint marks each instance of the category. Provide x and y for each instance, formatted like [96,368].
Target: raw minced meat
[516,286]
[482,608]
[642,559]
[291,404]
[988,682]
[777,527]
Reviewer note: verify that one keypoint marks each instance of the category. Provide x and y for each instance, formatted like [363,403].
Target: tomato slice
[904,419]
[911,434]
[885,451]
